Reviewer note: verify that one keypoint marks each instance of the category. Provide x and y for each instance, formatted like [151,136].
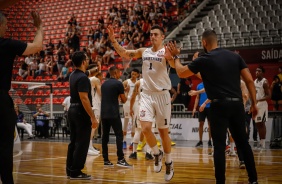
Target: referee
[81,117]
[221,70]
[8,50]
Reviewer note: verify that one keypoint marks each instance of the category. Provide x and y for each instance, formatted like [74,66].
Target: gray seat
[248,21]
[262,13]
[228,17]
[217,30]
[260,26]
[265,19]
[257,41]
[256,20]
[234,28]
[258,8]
[263,2]
[222,23]
[231,22]
[277,40]
[241,9]
[267,7]
[234,11]
[215,24]
[253,14]
[267,40]
[273,32]
[230,43]
[207,25]
[243,28]
[226,29]
[239,42]
[252,27]
[199,25]
[245,34]
[264,33]
[275,7]
[269,25]
[221,43]
[255,33]
[240,22]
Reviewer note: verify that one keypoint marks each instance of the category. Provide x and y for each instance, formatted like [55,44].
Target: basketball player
[134,110]
[263,94]
[155,98]
[96,101]
[129,86]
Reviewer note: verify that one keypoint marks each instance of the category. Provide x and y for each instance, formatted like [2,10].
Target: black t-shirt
[79,82]
[111,89]
[185,85]
[220,70]
[8,50]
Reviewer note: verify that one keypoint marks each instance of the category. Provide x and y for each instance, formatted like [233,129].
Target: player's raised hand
[111,33]
[172,46]
[37,22]
[167,54]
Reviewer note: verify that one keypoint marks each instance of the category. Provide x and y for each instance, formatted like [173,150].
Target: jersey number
[151,64]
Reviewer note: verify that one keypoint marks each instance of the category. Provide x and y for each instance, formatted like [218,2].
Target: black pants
[230,114]
[117,127]
[7,123]
[80,130]
[248,122]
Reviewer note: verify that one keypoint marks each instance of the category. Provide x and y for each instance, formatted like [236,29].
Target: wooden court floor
[44,162]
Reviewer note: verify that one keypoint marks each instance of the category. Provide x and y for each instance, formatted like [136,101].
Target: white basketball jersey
[154,71]
[259,88]
[96,98]
[131,86]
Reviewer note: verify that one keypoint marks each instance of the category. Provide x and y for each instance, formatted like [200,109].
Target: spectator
[138,5]
[183,87]
[52,65]
[65,73]
[42,67]
[33,66]
[101,21]
[49,48]
[276,92]
[112,14]
[90,41]
[108,56]
[90,33]
[21,122]
[61,58]
[168,5]
[72,20]
[23,71]
[41,124]
[152,14]
[123,14]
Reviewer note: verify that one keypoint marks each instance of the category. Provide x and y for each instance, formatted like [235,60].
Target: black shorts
[204,114]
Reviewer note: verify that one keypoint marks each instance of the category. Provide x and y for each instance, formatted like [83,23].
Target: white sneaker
[158,162]
[92,153]
[232,154]
[94,150]
[169,171]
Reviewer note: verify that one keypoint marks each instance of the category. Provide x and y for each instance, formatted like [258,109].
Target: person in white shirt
[108,56]
[262,95]
[129,85]
[96,106]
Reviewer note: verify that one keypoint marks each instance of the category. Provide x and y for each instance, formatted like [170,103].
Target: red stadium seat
[28,101]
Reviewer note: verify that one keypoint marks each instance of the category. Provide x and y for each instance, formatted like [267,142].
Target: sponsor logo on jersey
[142,113]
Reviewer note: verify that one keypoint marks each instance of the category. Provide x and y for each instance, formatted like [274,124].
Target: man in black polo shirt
[80,116]
[112,90]
[8,50]
[220,70]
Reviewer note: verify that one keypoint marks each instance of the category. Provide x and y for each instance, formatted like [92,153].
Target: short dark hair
[209,35]
[112,70]
[135,70]
[158,27]
[78,57]
[261,68]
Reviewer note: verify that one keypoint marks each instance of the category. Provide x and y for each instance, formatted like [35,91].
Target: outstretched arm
[122,51]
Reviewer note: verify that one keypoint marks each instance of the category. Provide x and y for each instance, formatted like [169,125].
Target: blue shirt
[203,96]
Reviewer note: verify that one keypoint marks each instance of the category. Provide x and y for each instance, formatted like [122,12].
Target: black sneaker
[133,155]
[199,144]
[209,144]
[82,176]
[148,156]
[108,164]
[242,165]
[123,163]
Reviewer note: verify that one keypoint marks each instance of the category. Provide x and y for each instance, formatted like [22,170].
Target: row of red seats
[57,92]
[54,84]
[28,101]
